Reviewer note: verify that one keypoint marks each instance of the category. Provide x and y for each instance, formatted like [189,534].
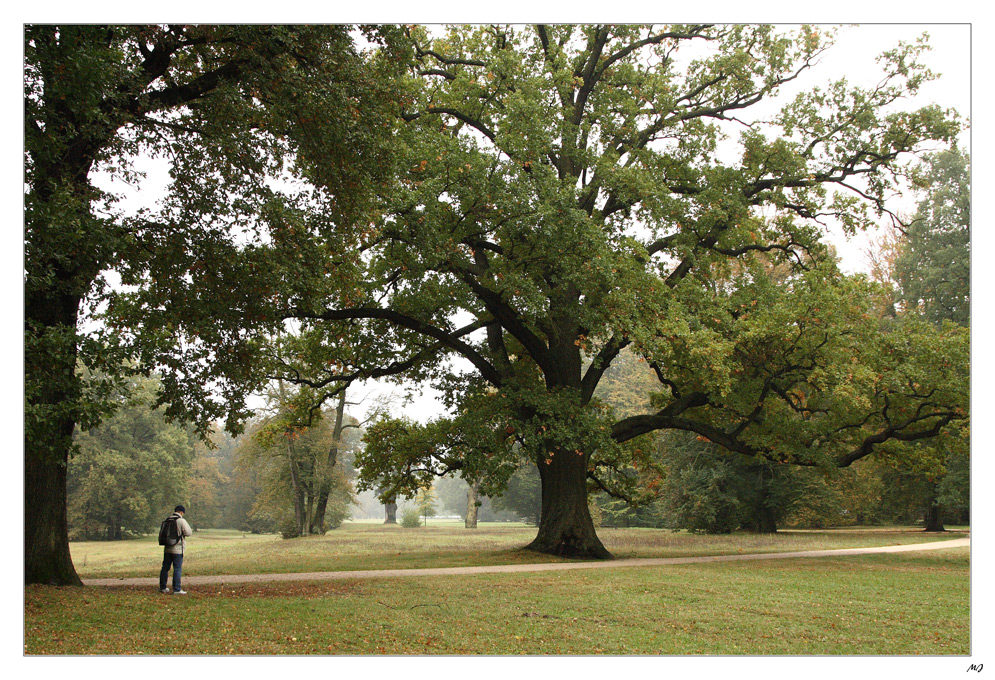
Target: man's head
[179,509]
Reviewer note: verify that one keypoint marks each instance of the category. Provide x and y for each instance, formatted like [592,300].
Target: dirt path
[500,569]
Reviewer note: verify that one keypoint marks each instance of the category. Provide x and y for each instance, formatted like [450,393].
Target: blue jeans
[176,561]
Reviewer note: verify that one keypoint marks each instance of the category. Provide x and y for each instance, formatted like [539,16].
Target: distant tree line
[132,469]
[706,490]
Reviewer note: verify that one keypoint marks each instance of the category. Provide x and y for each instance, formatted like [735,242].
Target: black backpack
[169,531]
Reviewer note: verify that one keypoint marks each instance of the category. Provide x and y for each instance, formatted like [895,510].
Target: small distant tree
[425,502]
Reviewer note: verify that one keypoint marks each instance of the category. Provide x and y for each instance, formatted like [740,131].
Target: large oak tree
[564,193]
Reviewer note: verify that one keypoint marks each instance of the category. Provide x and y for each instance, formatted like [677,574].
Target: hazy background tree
[927,263]
[206,482]
[425,503]
[289,448]
[522,495]
[454,495]
[130,470]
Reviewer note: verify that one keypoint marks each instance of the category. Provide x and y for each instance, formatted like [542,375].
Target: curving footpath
[509,568]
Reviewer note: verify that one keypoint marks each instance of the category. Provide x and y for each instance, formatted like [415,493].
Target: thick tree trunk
[51,390]
[390,511]
[318,520]
[46,528]
[472,504]
[565,525]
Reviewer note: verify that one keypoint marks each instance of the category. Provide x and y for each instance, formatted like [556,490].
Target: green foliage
[933,267]
[131,470]
[618,512]
[954,489]
[523,494]
[560,192]
[855,496]
[411,518]
[96,97]
[931,275]
[710,491]
[400,456]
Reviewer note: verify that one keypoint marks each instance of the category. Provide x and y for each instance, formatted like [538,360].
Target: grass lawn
[890,604]
[361,545]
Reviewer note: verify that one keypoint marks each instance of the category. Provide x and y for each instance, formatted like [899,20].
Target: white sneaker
[165,591]
[179,592]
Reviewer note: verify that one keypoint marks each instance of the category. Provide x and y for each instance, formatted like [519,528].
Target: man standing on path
[173,554]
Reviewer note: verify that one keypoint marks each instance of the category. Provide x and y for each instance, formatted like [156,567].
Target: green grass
[357,546]
[890,604]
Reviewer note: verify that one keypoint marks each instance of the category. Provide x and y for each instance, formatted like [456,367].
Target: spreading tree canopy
[564,193]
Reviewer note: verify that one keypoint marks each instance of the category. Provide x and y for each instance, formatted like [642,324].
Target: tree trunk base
[571,546]
[46,530]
